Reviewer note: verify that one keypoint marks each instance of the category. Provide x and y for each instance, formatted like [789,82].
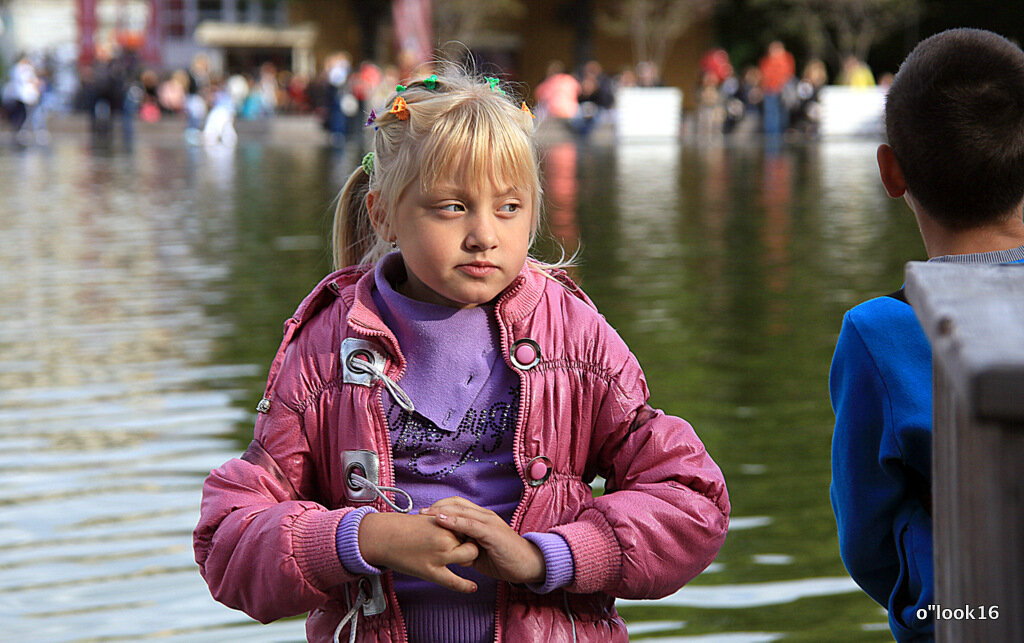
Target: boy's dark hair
[954,117]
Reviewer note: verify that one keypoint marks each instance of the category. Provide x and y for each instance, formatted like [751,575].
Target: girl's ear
[377,217]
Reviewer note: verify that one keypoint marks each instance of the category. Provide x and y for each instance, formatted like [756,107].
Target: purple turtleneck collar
[435,339]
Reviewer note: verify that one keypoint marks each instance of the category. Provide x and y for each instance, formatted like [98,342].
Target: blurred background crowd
[768,97]
[743,67]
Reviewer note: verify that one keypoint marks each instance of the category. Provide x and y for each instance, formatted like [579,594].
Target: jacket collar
[515,303]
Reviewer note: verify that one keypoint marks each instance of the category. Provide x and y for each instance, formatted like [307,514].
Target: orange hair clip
[527,110]
[400,109]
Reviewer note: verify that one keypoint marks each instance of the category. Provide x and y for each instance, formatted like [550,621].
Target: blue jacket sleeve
[865,496]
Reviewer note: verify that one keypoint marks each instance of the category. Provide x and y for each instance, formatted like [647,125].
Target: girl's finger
[451,580]
[449,501]
[469,525]
[459,509]
[465,553]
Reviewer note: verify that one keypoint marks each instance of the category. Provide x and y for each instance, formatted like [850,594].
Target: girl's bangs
[472,140]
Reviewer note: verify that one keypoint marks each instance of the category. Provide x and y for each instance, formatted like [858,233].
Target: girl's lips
[478,269]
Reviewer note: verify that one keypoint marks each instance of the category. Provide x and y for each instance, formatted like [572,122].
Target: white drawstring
[364,483]
[353,614]
[362,599]
[572,620]
[366,367]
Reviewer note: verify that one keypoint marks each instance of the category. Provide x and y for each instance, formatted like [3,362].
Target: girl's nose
[482,234]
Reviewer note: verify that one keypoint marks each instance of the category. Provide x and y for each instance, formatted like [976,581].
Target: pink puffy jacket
[265,542]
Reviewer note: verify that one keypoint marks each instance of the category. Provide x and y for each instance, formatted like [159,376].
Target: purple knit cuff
[557,559]
[346,539]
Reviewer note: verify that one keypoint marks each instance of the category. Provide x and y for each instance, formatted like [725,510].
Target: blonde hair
[462,123]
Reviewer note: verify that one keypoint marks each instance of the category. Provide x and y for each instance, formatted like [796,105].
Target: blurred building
[235,34]
[298,35]
[521,43]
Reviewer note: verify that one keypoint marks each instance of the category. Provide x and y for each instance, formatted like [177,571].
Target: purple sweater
[458,442]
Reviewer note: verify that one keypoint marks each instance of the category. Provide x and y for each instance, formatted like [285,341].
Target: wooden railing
[974,318]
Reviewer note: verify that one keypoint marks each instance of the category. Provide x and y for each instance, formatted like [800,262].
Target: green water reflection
[727,271]
[145,291]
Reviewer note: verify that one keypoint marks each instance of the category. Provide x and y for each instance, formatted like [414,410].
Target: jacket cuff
[559,568]
[596,554]
[313,544]
[347,543]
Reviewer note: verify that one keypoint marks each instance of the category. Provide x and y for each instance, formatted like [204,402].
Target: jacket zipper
[502,594]
[517,441]
[386,465]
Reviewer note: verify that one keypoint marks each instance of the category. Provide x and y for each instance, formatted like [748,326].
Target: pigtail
[353,236]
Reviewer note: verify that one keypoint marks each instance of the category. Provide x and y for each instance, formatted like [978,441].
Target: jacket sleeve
[262,544]
[665,511]
[865,495]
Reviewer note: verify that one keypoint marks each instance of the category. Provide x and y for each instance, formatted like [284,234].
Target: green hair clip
[493,82]
[430,82]
[400,88]
[368,163]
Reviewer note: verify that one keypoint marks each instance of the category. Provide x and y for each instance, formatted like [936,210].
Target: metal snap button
[538,470]
[525,354]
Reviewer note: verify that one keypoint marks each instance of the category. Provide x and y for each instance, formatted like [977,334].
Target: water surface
[143,295]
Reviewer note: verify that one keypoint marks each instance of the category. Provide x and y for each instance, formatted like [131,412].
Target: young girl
[435,414]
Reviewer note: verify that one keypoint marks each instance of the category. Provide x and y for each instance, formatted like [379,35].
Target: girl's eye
[510,208]
[452,207]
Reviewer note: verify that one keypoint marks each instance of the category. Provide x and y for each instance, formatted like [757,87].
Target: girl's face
[462,241]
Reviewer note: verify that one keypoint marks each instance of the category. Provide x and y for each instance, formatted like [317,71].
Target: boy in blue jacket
[954,120]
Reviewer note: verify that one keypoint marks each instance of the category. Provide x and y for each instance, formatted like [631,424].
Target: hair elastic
[430,82]
[400,88]
[373,117]
[368,163]
[493,82]
[527,110]
[400,109]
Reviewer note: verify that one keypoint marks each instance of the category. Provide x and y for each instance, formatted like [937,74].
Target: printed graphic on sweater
[483,436]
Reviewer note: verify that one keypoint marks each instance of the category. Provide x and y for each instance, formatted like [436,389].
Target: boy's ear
[890,171]
[377,218]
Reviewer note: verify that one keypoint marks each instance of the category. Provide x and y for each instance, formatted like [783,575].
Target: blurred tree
[835,29]
[653,26]
[461,23]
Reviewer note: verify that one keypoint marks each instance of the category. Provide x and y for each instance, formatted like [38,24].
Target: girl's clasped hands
[450,531]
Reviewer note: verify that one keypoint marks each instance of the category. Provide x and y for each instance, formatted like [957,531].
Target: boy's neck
[1005,234]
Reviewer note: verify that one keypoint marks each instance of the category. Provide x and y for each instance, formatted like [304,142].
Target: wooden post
[973,316]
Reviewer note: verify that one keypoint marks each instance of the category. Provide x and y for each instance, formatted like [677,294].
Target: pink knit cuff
[313,544]
[595,552]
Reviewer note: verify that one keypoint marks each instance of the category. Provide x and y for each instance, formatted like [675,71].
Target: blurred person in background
[648,75]
[195,101]
[267,87]
[806,117]
[220,123]
[856,73]
[777,70]
[149,111]
[743,100]
[172,92]
[715,69]
[104,90]
[20,95]
[364,85]
[338,96]
[558,95]
[596,99]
